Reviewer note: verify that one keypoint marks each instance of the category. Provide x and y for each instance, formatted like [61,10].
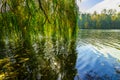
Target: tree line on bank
[108,19]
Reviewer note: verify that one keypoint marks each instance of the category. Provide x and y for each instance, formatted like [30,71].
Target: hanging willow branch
[40,6]
[4,6]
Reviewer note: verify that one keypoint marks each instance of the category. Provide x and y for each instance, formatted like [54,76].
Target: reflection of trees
[99,34]
[97,37]
[38,38]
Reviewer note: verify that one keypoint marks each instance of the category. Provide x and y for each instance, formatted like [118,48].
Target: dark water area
[98,55]
[46,59]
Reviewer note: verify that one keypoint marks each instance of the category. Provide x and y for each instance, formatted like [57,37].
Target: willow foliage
[50,18]
[38,35]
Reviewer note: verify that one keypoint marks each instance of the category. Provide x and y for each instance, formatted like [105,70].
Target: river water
[98,55]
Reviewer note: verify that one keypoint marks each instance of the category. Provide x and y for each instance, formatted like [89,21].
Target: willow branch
[40,6]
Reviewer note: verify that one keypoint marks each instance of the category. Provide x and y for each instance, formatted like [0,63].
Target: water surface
[98,55]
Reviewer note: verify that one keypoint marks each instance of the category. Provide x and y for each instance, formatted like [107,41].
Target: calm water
[98,55]
[95,54]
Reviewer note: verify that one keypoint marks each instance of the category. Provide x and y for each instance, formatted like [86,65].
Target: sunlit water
[98,55]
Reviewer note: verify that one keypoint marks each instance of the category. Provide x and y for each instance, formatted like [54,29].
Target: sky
[90,6]
[87,4]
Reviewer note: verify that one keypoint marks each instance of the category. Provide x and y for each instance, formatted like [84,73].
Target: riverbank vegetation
[37,39]
[108,19]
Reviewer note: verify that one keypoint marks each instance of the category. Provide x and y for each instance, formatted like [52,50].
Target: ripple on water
[91,61]
[98,55]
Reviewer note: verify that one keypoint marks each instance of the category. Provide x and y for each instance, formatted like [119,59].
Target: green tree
[49,24]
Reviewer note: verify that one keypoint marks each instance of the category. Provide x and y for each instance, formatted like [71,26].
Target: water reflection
[45,59]
[98,55]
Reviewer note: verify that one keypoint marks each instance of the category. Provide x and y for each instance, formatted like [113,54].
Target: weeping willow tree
[48,18]
[37,39]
